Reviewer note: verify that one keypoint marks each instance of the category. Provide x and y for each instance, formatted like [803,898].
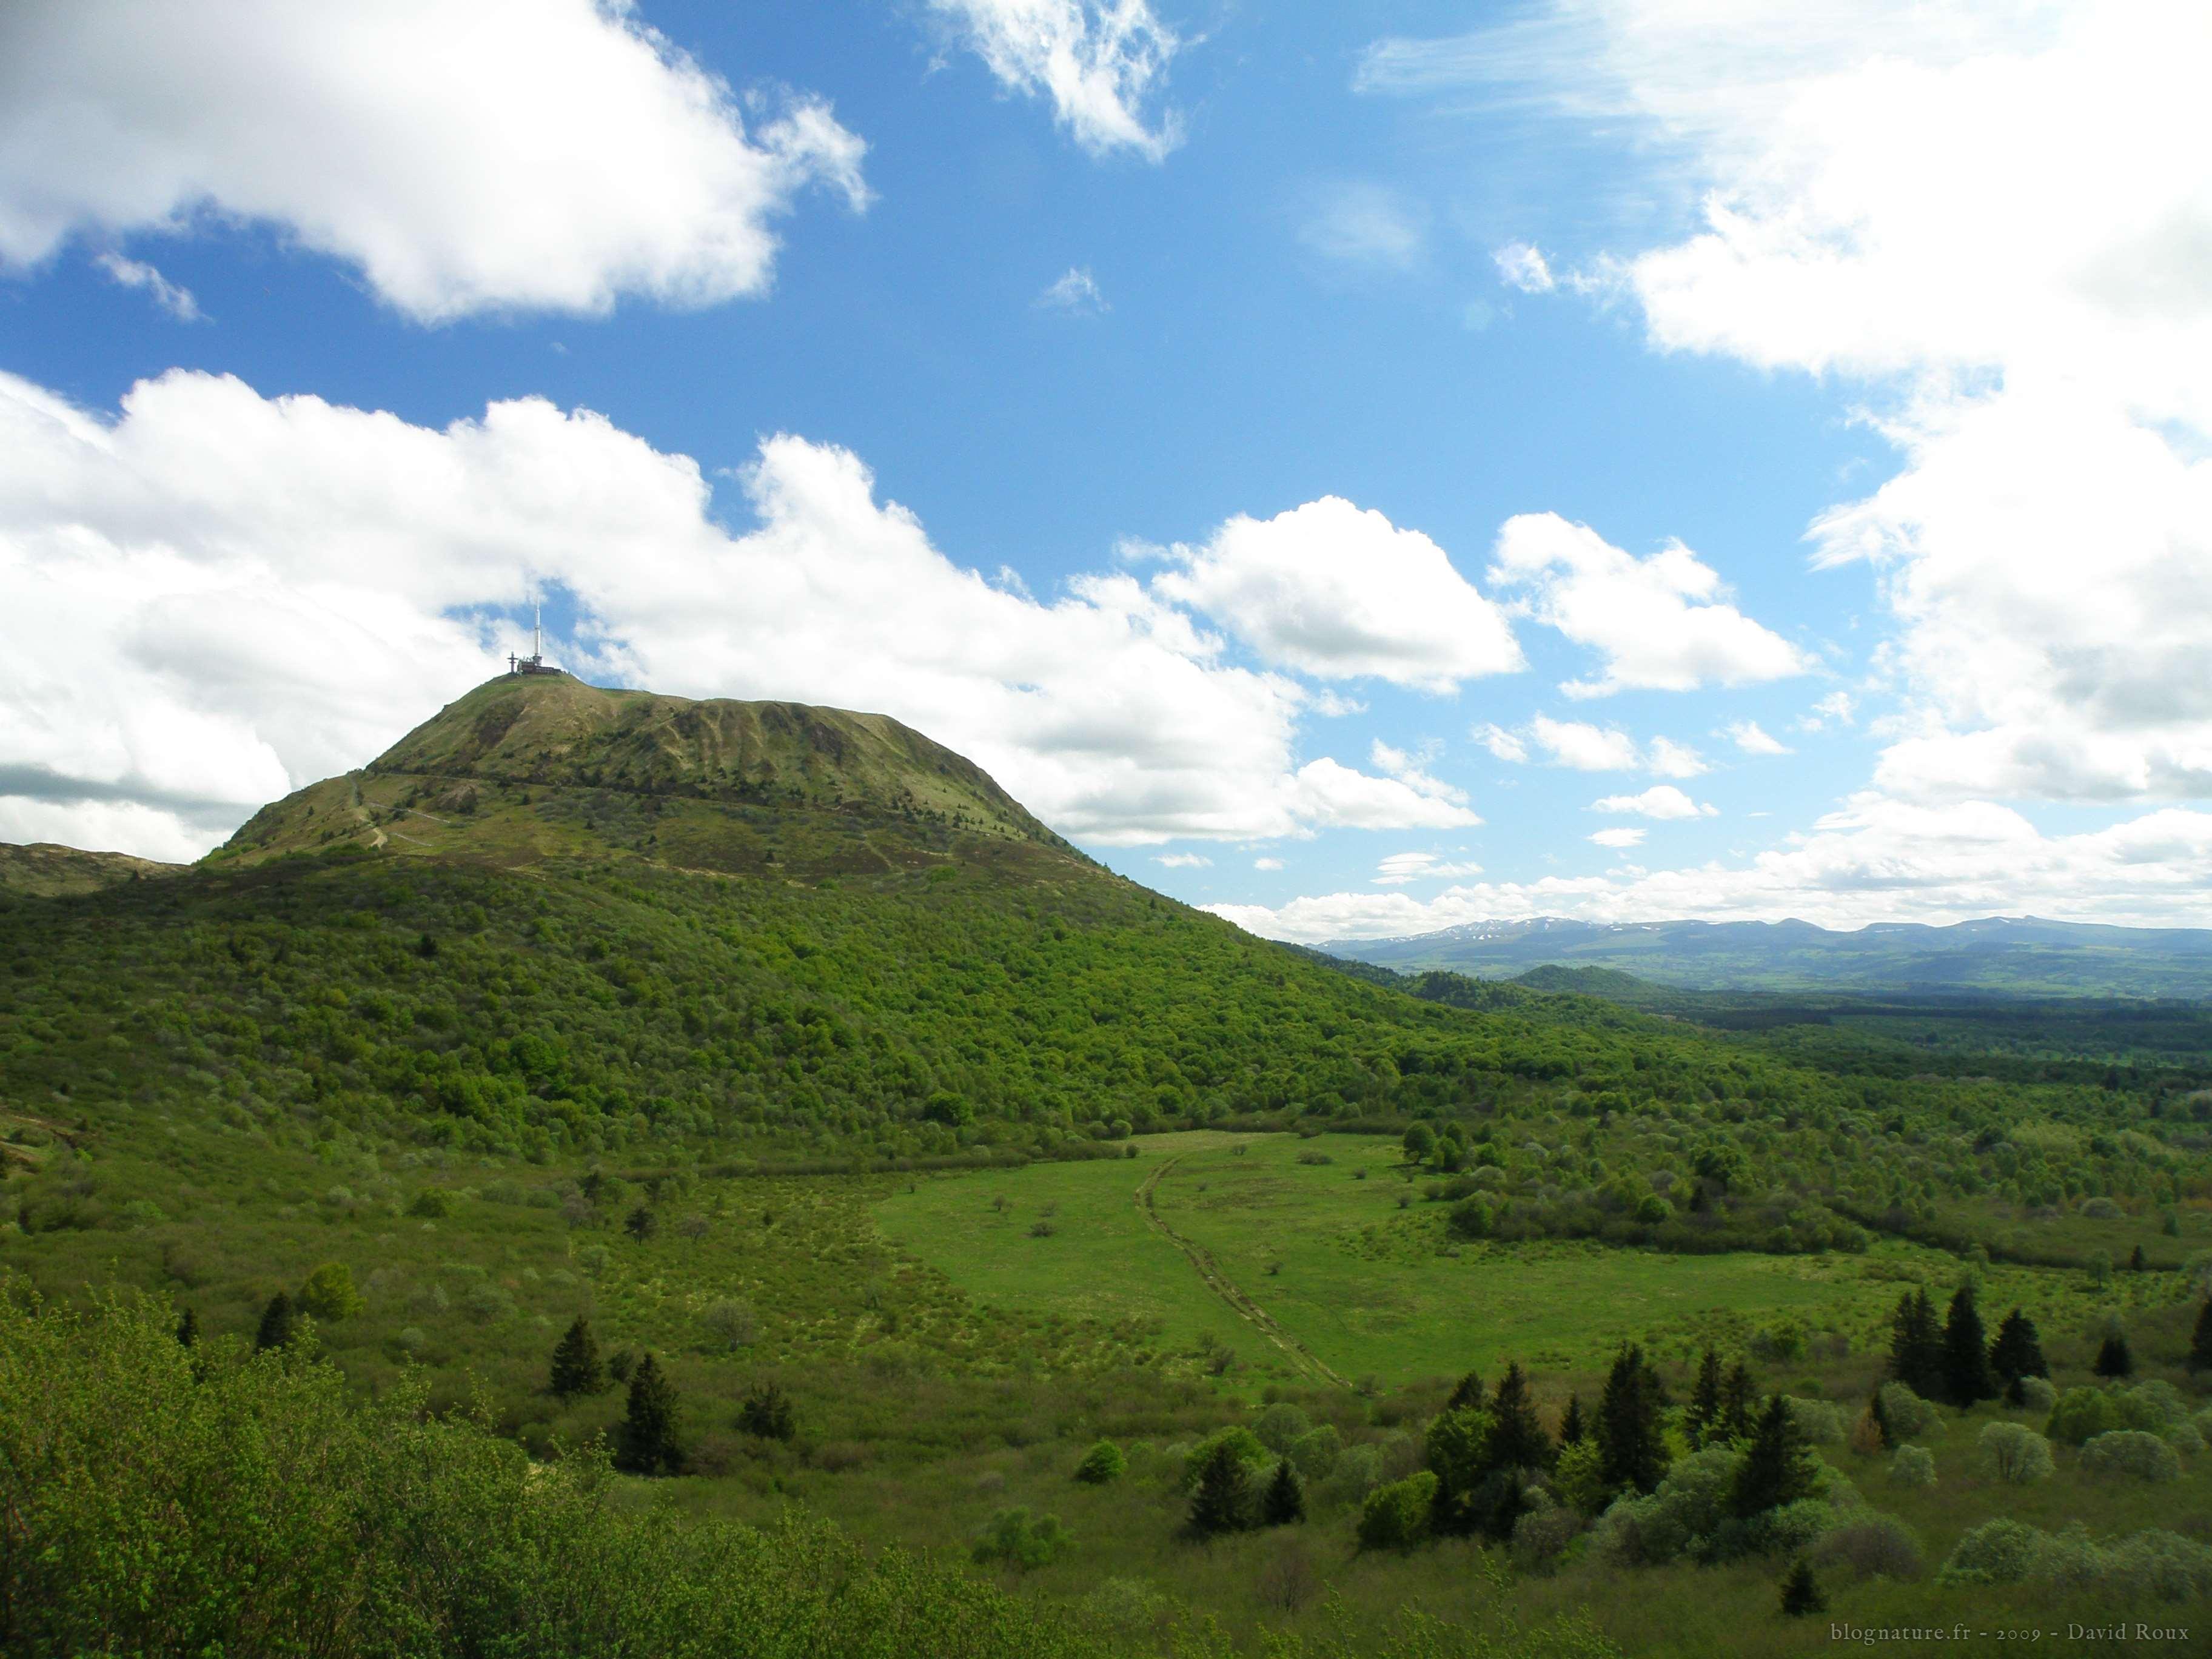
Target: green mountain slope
[47,870]
[526,767]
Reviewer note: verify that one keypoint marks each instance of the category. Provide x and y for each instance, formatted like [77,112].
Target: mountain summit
[528,766]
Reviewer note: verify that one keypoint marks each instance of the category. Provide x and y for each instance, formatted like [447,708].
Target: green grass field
[1374,1287]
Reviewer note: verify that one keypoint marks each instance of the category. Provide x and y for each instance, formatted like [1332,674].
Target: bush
[1359,1472]
[1819,1422]
[730,1324]
[1871,1547]
[1102,1465]
[1907,1412]
[1578,1476]
[2015,1455]
[2152,1565]
[432,1204]
[486,1304]
[2131,1453]
[2036,1393]
[1396,1516]
[1280,1427]
[1246,1444]
[1689,1505]
[1013,1539]
[1315,1452]
[2081,1414]
[1912,1466]
[329,1293]
[767,1411]
[1542,1536]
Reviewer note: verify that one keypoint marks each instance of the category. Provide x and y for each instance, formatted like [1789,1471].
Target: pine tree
[1702,1418]
[2200,1345]
[1518,1440]
[2138,1261]
[1572,1427]
[641,1225]
[1776,1467]
[1801,1591]
[2018,1349]
[1631,1449]
[1468,1396]
[766,1412]
[278,1324]
[646,1443]
[2113,1357]
[1223,1500]
[576,1366]
[1966,1378]
[1916,1347]
[188,1329]
[1739,1395]
[1284,1502]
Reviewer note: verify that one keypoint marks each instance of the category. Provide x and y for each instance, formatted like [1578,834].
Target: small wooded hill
[47,870]
[544,766]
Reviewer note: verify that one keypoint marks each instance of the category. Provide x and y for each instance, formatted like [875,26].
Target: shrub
[2015,1455]
[1359,1472]
[2036,1393]
[1578,1477]
[2152,1565]
[1912,1466]
[767,1411]
[2185,1437]
[1817,1421]
[1542,1536]
[1905,1411]
[1016,1540]
[1690,1504]
[1280,1426]
[1871,1547]
[730,1324]
[1396,1516]
[432,1204]
[329,1294]
[2159,1565]
[1245,1445]
[1316,1450]
[2131,1453]
[1102,1465]
[486,1304]
[1995,1552]
[2081,1414]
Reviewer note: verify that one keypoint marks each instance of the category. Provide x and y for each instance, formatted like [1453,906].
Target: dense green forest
[587,1039]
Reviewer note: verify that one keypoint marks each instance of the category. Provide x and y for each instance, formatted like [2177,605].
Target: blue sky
[1097,295]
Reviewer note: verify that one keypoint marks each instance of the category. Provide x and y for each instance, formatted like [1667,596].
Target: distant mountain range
[2001,955]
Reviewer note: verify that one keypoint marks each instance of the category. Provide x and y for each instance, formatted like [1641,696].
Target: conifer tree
[1702,1418]
[278,1324]
[1284,1502]
[641,1225]
[646,1443]
[1776,1467]
[1631,1449]
[2138,1261]
[1572,1427]
[1223,1500]
[766,1412]
[1739,1396]
[1915,1346]
[2018,1349]
[2114,1359]
[2200,1345]
[577,1366]
[1966,1378]
[1801,1591]
[1518,1440]
[1468,1395]
[188,1329]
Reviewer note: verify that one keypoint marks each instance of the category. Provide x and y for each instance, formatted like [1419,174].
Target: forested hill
[44,869]
[621,925]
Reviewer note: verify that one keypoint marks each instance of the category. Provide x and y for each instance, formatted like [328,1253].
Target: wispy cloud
[1076,294]
[132,273]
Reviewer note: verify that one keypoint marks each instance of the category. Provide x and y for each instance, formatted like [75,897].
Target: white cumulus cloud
[215,597]
[1099,62]
[506,155]
[1626,836]
[1339,592]
[1661,800]
[1661,622]
[1749,737]
[1519,266]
